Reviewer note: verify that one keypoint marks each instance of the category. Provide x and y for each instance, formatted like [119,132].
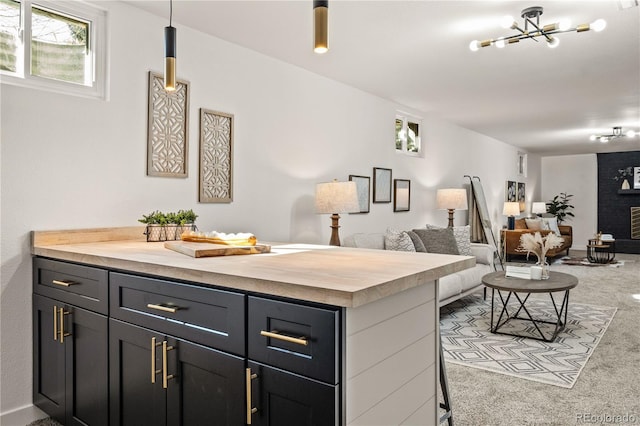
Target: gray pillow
[438,240]
[417,242]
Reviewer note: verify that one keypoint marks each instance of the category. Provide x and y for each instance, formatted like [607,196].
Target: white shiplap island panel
[390,300]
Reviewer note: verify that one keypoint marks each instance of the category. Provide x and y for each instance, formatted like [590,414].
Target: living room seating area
[511,238]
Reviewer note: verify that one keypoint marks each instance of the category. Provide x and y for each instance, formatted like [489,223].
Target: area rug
[583,261]
[466,340]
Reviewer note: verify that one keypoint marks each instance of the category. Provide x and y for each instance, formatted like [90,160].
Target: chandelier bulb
[507,22]
[474,46]
[592,138]
[631,133]
[598,25]
[553,42]
[604,139]
[500,43]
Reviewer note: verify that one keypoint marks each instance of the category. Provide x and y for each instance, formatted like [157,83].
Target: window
[57,46]
[408,134]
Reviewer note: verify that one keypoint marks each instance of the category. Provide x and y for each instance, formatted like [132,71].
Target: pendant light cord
[170,12]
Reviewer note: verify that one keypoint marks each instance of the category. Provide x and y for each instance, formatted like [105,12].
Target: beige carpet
[608,387]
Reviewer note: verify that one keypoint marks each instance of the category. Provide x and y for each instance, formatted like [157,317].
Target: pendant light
[170,53]
[320,21]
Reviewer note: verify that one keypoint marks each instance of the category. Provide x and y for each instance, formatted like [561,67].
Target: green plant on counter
[559,206]
[156,217]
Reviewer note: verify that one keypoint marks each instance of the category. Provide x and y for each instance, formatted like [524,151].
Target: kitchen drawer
[211,317]
[83,286]
[314,350]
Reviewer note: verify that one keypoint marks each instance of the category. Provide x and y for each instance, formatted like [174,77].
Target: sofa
[511,238]
[451,287]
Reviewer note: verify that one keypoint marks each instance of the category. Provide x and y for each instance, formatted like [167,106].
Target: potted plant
[186,220]
[167,226]
[156,222]
[559,206]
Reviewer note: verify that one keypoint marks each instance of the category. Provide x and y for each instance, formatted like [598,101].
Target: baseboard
[22,416]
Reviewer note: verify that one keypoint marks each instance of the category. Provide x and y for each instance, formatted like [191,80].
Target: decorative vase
[625,184]
[542,263]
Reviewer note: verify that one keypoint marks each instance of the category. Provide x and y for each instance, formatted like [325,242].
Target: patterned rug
[466,339]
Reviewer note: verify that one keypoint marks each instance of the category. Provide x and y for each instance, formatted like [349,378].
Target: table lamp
[538,208]
[510,210]
[451,199]
[336,197]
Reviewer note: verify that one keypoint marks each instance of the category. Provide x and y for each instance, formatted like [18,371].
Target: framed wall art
[522,165]
[401,195]
[216,157]
[636,178]
[521,195]
[381,185]
[363,190]
[510,191]
[167,134]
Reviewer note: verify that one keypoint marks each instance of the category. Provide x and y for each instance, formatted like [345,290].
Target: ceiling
[416,53]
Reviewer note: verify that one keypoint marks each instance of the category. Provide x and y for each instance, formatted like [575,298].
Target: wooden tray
[194,249]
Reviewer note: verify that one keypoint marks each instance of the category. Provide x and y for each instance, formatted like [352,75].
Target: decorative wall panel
[167,146]
[216,161]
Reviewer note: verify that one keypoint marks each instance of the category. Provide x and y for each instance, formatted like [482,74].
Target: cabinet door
[286,399]
[135,400]
[48,359]
[207,388]
[87,369]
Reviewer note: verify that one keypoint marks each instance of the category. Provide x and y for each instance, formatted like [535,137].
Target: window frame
[97,47]
[407,118]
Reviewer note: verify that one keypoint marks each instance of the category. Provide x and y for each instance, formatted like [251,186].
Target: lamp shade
[539,207]
[451,198]
[511,209]
[337,197]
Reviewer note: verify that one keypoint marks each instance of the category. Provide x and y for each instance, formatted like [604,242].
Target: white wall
[70,162]
[576,175]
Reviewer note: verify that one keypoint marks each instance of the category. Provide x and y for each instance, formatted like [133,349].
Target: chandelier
[617,133]
[533,30]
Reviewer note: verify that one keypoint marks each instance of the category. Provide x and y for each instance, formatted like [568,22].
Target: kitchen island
[375,357]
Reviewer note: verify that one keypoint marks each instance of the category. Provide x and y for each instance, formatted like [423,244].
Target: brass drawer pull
[62,313]
[165,377]
[154,372]
[275,334]
[164,308]
[55,323]
[250,410]
[64,283]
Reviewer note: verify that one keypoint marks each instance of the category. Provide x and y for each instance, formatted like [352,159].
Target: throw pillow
[520,224]
[417,242]
[534,224]
[398,241]
[462,234]
[552,224]
[438,240]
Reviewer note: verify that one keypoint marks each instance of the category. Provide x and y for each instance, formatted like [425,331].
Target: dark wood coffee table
[557,282]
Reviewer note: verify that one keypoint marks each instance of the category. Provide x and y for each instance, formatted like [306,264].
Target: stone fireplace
[618,208]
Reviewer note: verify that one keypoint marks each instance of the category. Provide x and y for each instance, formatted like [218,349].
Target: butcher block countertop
[340,276]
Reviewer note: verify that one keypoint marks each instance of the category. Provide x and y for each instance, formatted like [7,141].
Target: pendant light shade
[320,24]
[170,53]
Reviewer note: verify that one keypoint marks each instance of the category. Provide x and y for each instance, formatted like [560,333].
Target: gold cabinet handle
[250,410]
[55,323]
[165,377]
[164,308]
[64,283]
[154,372]
[275,334]
[62,313]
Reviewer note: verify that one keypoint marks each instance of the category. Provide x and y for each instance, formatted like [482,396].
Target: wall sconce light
[451,199]
[336,197]
[321,24]
[170,53]
[511,210]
